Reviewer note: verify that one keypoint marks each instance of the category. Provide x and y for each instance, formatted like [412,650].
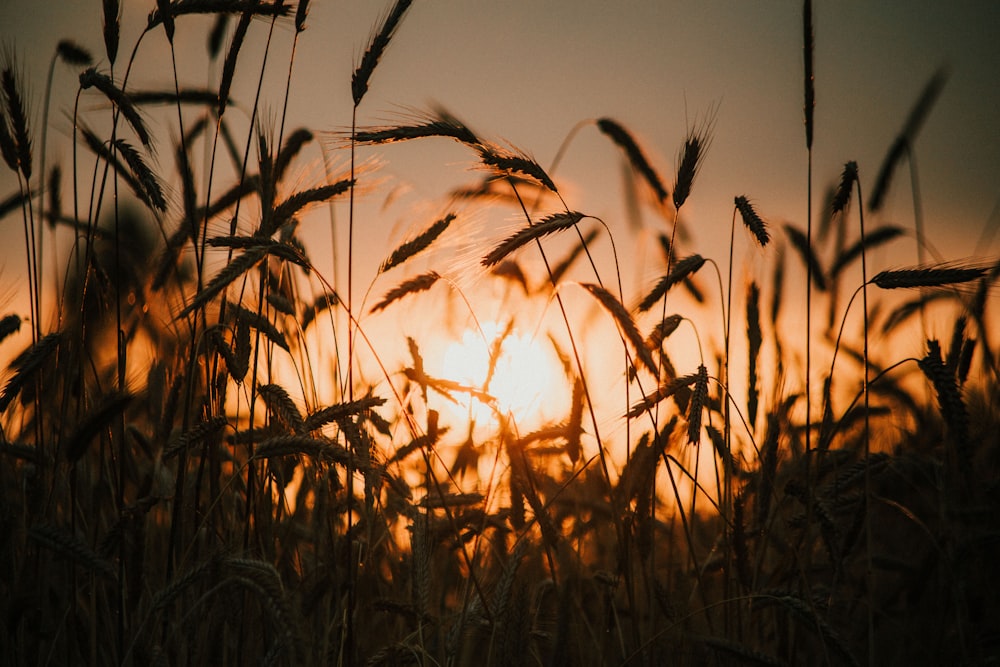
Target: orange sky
[528,71]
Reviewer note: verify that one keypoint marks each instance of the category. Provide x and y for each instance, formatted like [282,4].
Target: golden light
[525,374]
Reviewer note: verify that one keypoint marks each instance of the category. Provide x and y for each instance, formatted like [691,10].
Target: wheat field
[507,431]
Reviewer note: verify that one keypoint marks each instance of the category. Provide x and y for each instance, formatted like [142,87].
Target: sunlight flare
[523,374]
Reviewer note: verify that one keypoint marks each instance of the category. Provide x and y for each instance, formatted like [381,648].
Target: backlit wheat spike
[807,254]
[904,140]
[439,125]
[625,324]
[219,7]
[682,269]
[72,53]
[950,399]
[699,397]
[873,238]
[419,243]
[127,172]
[941,276]
[26,365]
[808,46]
[752,220]
[842,196]
[754,342]
[151,192]
[17,114]
[262,324]
[293,145]
[91,78]
[664,391]
[376,48]
[236,268]
[281,405]
[667,326]
[196,435]
[112,27]
[419,284]
[297,445]
[339,411]
[229,64]
[10,324]
[92,424]
[284,211]
[636,157]
[504,162]
[695,146]
[556,222]
[301,12]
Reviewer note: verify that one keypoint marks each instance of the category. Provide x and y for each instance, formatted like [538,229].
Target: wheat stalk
[636,157]
[111,28]
[800,242]
[699,396]
[376,48]
[439,123]
[752,220]
[281,405]
[681,271]
[691,156]
[219,7]
[625,324]
[873,239]
[754,342]
[665,390]
[18,115]
[903,142]
[842,195]
[419,243]
[927,276]
[91,78]
[418,284]
[506,162]
[556,222]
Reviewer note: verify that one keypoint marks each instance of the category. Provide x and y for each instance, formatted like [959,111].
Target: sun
[525,373]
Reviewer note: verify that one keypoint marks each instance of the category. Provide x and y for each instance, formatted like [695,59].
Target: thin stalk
[869,569]
[351,572]
[918,226]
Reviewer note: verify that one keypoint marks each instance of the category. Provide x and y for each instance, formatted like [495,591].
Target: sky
[529,72]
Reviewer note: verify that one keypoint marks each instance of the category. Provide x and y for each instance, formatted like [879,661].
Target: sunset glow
[524,373]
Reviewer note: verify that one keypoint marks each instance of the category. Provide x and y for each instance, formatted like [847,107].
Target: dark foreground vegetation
[181,483]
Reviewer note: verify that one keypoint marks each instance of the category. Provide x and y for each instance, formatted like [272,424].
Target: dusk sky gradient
[527,72]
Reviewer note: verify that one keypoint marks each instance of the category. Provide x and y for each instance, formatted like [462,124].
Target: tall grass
[212,453]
